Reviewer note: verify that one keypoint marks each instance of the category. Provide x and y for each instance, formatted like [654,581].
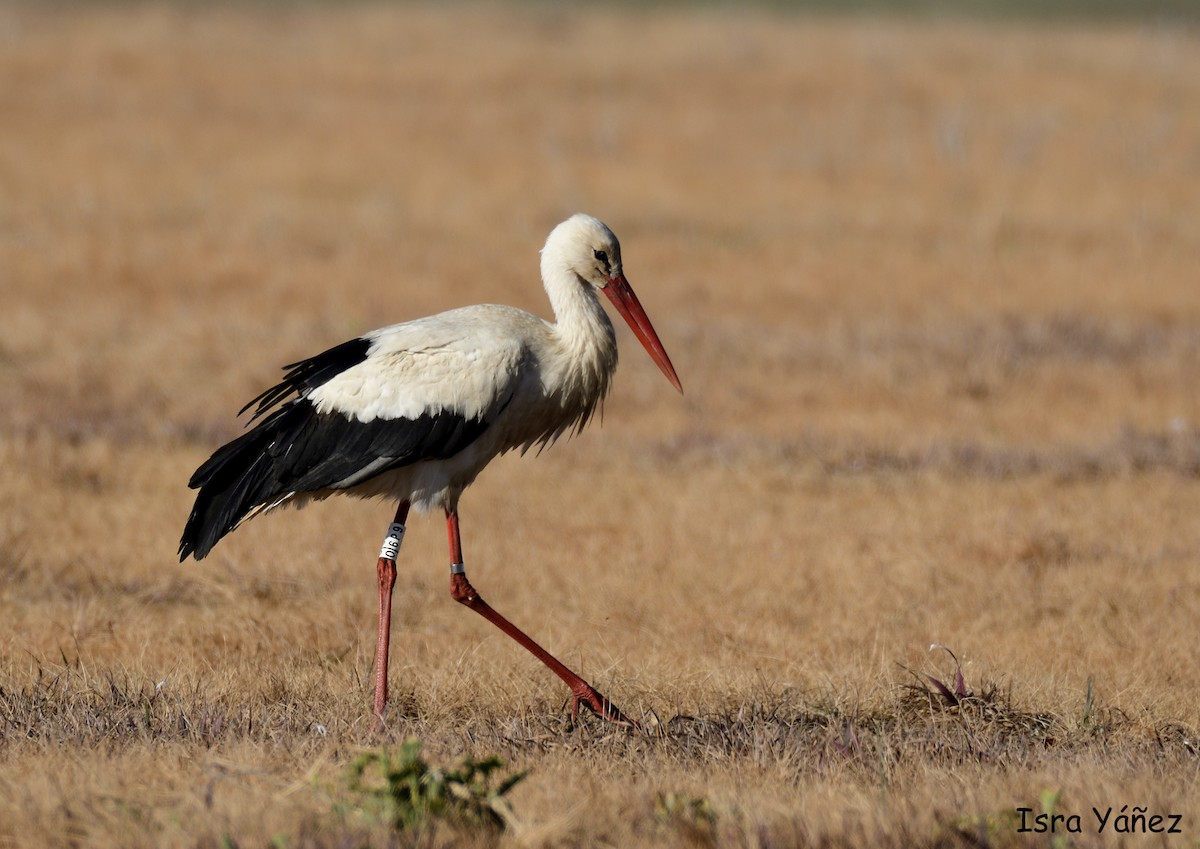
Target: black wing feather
[306,375]
[296,449]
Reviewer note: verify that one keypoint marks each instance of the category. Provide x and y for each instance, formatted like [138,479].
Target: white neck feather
[586,341]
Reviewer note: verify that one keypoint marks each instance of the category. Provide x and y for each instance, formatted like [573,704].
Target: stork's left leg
[582,693]
[387,582]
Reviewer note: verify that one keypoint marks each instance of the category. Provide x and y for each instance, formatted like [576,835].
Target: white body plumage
[529,380]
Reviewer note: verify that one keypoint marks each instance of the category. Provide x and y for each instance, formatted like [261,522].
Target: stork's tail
[234,482]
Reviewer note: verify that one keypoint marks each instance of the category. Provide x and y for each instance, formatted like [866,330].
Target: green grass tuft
[399,787]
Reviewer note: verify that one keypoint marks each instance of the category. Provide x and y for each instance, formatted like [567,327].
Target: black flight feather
[306,375]
[296,449]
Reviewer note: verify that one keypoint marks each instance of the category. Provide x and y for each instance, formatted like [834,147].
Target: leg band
[391,544]
[458,569]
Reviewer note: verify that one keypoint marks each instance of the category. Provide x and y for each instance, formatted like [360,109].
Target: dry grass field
[931,288]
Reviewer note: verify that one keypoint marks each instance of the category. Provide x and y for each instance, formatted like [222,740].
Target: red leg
[582,693]
[387,581]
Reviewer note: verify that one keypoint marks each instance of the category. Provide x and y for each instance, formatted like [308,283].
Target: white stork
[415,411]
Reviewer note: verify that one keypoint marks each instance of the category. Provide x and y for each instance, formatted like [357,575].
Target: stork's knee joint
[387,573]
[460,588]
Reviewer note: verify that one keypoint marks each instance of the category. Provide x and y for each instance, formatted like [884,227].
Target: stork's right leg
[387,582]
[582,693]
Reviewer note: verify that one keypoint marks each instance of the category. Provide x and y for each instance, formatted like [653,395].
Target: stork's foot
[379,722]
[588,697]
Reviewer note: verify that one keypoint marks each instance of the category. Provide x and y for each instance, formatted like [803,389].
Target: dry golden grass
[931,289]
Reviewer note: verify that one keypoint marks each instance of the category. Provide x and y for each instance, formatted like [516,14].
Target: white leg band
[391,544]
[458,569]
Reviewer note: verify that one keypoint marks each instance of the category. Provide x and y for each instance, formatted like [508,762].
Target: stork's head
[586,247]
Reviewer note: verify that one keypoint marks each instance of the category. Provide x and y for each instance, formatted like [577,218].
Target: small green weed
[693,816]
[400,787]
[1050,799]
[998,828]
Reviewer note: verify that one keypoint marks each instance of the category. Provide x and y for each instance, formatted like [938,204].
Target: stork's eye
[603,257]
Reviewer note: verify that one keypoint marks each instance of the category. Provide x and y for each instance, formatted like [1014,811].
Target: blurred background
[927,272]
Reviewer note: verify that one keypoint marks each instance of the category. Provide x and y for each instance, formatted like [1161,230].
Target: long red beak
[627,304]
